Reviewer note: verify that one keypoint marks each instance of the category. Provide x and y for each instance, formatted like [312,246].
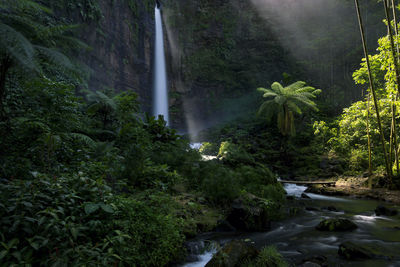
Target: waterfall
[160,98]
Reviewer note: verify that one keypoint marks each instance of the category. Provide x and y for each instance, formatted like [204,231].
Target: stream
[297,239]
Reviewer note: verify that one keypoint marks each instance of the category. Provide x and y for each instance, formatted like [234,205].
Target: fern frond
[107,100]
[83,138]
[17,46]
[277,88]
[296,85]
[294,107]
[54,57]
[24,4]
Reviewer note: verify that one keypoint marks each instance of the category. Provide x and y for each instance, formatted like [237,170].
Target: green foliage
[285,102]
[55,221]
[268,256]
[153,234]
[208,148]
[77,220]
[89,10]
[215,181]
[234,154]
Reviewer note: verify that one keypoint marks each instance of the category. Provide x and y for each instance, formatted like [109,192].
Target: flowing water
[297,239]
[160,98]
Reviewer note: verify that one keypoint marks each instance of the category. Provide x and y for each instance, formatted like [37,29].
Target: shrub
[55,221]
[220,184]
[209,149]
[233,154]
[152,234]
[77,221]
[358,160]
[268,256]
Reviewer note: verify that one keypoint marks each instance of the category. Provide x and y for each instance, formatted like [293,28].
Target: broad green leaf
[91,207]
[74,233]
[3,253]
[107,208]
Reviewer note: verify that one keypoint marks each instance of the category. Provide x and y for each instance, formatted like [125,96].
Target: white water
[297,190]
[196,145]
[294,189]
[203,259]
[160,100]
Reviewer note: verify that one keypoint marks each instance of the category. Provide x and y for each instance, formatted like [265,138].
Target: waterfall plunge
[160,102]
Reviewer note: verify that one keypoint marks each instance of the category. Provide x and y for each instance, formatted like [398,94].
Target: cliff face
[220,51]
[122,45]
[121,36]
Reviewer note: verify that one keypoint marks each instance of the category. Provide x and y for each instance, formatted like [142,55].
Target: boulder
[249,213]
[335,225]
[314,261]
[330,208]
[304,195]
[290,197]
[312,208]
[310,264]
[382,210]
[233,254]
[351,251]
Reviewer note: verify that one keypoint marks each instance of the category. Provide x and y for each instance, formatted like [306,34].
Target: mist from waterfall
[160,96]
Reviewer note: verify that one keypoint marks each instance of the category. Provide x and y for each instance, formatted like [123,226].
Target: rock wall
[121,36]
[122,48]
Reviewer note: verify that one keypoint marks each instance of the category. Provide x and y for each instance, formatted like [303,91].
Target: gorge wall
[220,51]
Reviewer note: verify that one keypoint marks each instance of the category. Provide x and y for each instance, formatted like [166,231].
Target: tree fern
[285,101]
[29,42]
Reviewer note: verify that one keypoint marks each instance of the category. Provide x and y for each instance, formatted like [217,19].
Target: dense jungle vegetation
[87,178]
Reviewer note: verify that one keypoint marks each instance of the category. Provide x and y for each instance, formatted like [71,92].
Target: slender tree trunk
[388,170]
[395,62]
[396,31]
[392,132]
[369,143]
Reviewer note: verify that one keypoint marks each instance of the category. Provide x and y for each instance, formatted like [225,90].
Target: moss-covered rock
[250,213]
[351,251]
[233,254]
[336,224]
[382,210]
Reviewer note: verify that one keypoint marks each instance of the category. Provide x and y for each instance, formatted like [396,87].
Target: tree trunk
[396,32]
[369,143]
[388,170]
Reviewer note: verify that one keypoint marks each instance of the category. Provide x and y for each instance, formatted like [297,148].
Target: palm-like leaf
[17,46]
[24,4]
[54,57]
[285,101]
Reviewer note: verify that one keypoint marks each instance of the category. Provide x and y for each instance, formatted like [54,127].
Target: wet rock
[352,251]
[382,210]
[312,209]
[303,195]
[290,197]
[314,261]
[232,254]
[335,225]
[330,208]
[249,213]
[309,264]
[224,226]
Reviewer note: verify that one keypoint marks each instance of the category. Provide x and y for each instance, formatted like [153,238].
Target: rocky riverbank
[356,187]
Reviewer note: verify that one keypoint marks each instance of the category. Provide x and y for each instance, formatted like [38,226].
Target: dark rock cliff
[121,36]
